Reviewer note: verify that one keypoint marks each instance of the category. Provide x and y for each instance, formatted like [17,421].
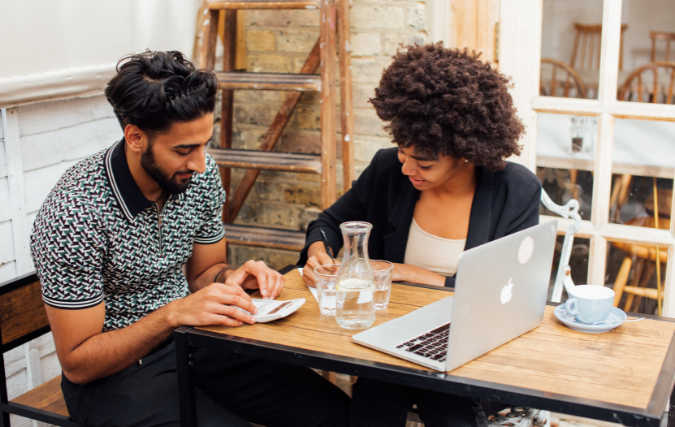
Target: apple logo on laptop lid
[507,293]
[526,250]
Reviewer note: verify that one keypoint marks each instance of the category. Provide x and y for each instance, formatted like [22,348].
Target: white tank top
[432,253]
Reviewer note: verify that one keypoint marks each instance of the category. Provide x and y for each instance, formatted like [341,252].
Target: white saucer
[614,320]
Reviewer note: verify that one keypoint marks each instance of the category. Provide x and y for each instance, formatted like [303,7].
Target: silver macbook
[500,293]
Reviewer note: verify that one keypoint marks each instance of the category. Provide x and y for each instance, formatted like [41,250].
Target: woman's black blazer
[505,202]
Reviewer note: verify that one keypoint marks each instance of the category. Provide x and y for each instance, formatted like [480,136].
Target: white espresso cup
[590,304]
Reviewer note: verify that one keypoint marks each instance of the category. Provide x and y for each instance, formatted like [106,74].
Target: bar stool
[644,258]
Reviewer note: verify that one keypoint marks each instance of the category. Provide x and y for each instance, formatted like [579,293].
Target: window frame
[520,56]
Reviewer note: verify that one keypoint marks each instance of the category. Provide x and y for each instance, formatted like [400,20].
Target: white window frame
[520,55]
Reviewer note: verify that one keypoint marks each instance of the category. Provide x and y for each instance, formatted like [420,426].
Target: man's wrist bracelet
[215,279]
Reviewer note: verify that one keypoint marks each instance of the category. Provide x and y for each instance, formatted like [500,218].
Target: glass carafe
[355,308]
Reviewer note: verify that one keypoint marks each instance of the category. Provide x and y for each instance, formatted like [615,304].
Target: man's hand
[215,304]
[257,275]
[320,258]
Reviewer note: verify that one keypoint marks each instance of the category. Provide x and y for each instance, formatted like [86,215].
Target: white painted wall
[52,136]
[70,47]
[7,263]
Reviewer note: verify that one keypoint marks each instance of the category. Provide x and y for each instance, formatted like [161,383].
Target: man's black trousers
[231,388]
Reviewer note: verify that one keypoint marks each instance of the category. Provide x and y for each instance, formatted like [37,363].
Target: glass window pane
[642,162]
[570,48]
[648,36]
[565,158]
[631,271]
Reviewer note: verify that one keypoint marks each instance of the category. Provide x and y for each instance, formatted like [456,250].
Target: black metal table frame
[189,340]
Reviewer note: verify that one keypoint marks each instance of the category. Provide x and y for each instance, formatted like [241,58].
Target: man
[120,242]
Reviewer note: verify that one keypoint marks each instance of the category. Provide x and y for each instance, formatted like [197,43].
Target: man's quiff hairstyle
[446,102]
[153,90]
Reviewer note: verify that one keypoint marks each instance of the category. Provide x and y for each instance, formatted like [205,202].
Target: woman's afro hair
[446,102]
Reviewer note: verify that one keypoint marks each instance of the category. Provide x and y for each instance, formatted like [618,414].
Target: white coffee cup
[589,303]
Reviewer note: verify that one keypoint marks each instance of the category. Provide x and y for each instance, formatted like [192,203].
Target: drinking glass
[325,279]
[382,273]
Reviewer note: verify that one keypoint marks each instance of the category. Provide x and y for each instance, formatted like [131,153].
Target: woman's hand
[320,258]
[411,273]
[398,275]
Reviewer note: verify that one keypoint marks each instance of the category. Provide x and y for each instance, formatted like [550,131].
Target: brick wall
[279,41]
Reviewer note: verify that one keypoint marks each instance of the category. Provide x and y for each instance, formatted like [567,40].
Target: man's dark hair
[152,90]
[446,102]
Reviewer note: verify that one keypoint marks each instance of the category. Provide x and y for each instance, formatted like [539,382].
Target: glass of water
[382,273]
[325,279]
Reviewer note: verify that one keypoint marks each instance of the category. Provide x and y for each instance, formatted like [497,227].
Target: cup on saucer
[589,303]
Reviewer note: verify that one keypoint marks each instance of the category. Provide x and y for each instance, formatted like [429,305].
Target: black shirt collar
[126,191]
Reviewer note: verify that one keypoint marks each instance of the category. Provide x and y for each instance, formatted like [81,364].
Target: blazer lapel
[400,219]
[480,220]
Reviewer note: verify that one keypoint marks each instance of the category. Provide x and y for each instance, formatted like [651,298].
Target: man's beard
[169,185]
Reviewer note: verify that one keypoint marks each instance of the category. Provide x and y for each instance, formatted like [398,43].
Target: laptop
[500,293]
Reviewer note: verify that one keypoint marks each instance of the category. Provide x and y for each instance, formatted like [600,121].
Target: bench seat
[47,396]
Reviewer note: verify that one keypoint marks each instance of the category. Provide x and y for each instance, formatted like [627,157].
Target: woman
[444,189]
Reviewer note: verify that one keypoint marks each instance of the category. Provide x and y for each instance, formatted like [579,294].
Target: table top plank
[620,367]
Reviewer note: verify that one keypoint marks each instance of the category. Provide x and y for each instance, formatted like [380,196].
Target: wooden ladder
[333,24]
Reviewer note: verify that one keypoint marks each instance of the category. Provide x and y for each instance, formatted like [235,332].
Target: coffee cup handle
[571,306]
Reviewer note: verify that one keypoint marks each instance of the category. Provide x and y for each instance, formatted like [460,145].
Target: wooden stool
[644,266]
[665,197]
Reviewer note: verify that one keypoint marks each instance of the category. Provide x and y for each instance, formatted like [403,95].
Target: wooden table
[623,376]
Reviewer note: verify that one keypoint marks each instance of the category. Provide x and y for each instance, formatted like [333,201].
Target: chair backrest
[666,37]
[587,41]
[22,312]
[23,318]
[570,79]
[634,84]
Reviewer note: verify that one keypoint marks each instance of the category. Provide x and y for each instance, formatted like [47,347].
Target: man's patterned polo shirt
[97,238]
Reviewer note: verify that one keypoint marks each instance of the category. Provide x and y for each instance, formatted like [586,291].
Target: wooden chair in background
[666,37]
[586,51]
[585,57]
[633,84]
[573,83]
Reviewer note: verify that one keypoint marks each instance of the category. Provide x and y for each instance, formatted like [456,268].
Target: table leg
[186,379]
[671,411]
[4,416]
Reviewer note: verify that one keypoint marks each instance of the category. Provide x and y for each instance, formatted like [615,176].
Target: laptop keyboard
[432,345]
